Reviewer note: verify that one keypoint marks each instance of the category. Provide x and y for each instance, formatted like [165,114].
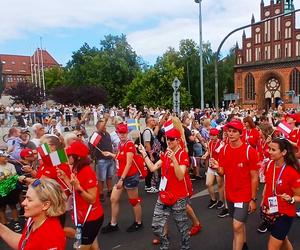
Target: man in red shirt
[238,163]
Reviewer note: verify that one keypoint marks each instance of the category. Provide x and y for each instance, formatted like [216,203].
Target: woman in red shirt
[44,202]
[174,189]
[251,133]
[88,214]
[281,191]
[128,179]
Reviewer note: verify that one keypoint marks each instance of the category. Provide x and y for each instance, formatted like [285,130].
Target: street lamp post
[223,41]
[201,55]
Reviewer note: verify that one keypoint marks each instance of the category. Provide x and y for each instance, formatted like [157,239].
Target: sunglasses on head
[36,183]
[171,139]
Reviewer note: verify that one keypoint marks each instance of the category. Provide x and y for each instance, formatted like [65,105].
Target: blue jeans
[105,168]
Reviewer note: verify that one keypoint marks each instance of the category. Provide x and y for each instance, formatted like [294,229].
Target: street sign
[176,83]
[176,102]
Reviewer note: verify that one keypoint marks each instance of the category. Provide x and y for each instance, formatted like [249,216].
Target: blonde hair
[49,190]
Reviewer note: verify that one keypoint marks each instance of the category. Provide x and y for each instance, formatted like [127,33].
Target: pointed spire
[272,2]
[252,19]
[236,45]
[244,33]
[262,3]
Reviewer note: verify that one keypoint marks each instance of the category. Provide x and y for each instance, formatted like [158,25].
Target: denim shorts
[131,182]
[105,168]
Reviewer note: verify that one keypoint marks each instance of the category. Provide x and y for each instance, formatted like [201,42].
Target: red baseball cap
[213,131]
[26,152]
[122,128]
[78,148]
[236,125]
[295,116]
[173,133]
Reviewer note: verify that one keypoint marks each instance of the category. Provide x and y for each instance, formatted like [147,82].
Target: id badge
[273,204]
[163,183]
[238,204]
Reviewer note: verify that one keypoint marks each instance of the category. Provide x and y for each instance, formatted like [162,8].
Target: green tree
[153,87]
[54,77]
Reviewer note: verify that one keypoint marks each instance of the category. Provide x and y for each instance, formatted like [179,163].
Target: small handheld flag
[133,124]
[284,128]
[43,150]
[58,157]
[95,139]
[168,125]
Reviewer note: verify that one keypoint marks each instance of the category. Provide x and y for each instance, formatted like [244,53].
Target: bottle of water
[77,242]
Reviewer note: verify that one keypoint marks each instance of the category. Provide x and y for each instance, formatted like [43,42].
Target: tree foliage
[25,93]
[67,94]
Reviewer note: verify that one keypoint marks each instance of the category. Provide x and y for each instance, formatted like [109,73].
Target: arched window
[249,87]
[295,81]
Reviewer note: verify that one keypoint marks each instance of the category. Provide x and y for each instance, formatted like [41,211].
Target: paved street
[216,233]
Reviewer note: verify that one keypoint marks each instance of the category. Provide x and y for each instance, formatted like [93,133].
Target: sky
[151,26]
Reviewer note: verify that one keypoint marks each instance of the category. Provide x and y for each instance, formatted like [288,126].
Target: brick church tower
[267,66]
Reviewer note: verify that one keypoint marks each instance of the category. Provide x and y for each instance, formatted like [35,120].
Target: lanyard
[274,185]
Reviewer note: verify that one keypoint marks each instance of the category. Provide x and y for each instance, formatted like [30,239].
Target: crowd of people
[48,173]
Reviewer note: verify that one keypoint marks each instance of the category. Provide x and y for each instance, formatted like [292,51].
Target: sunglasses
[171,139]
[79,135]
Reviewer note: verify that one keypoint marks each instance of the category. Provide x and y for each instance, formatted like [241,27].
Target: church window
[249,87]
[295,81]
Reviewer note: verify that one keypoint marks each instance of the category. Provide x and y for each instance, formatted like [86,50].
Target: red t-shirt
[294,136]
[51,172]
[88,179]
[179,188]
[290,178]
[252,137]
[49,235]
[214,148]
[237,169]
[125,148]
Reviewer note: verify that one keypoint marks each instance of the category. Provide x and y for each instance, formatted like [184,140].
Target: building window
[13,62]
[249,87]
[257,54]
[267,53]
[248,55]
[257,38]
[288,50]
[295,81]
[277,29]
[298,48]
[288,32]
[267,31]
[277,51]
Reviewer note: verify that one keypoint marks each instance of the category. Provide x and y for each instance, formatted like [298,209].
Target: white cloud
[151,25]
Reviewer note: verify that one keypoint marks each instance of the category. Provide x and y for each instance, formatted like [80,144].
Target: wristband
[145,156]
[121,179]
[254,199]
[292,200]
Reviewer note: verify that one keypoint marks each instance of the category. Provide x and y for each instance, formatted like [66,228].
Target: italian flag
[168,125]
[43,150]
[58,157]
[95,139]
[284,128]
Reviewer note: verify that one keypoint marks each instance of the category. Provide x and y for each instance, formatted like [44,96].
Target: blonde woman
[44,202]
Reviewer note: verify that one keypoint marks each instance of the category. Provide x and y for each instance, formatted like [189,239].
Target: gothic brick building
[267,66]
[17,68]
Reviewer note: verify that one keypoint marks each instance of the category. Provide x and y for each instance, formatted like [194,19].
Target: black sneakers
[224,213]
[212,203]
[134,227]
[262,228]
[220,205]
[109,228]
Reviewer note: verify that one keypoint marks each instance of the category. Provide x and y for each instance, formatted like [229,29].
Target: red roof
[20,65]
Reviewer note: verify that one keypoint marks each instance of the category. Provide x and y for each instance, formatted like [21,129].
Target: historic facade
[17,68]
[267,66]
